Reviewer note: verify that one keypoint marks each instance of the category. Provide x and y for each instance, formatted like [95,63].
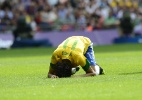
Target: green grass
[23,75]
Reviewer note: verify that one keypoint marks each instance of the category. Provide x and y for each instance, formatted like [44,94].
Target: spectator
[89,27]
[81,19]
[91,7]
[110,21]
[2,13]
[69,21]
[23,36]
[38,19]
[126,25]
[99,19]
[23,30]
[52,2]
[62,12]
[45,23]
[33,24]
[6,4]
[52,15]
[138,29]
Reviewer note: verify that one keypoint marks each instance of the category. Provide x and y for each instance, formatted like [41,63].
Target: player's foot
[99,70]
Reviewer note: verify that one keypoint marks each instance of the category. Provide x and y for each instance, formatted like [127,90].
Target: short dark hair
[63,69]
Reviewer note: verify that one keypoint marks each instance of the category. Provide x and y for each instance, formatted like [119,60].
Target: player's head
[63,69]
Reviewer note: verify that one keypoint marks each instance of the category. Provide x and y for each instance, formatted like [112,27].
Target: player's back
[76,43]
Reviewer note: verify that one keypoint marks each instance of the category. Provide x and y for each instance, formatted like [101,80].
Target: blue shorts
[90,55]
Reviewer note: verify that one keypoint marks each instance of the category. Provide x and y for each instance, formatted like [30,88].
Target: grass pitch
[23,75]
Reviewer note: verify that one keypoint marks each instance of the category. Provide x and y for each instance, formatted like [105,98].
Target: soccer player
[73,52]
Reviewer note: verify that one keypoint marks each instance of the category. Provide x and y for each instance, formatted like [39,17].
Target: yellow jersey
[73,48]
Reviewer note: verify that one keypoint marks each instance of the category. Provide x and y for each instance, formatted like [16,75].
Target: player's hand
[54,76]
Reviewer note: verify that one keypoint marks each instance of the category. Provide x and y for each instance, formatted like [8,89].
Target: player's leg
[90,55]
[91,58]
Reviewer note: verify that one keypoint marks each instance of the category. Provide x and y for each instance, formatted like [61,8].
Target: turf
[23,75]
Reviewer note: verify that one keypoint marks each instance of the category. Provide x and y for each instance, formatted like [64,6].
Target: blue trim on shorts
[90,55]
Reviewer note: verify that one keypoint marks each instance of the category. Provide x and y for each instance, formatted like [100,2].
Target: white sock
[97,69]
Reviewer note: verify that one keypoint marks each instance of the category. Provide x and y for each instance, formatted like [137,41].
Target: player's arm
[89,72]
[86,67]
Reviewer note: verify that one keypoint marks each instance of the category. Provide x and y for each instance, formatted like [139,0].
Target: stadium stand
[68,15]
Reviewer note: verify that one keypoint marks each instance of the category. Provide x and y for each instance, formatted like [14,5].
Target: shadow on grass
[130,73]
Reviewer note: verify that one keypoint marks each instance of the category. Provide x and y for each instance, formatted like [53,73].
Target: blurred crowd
[68,15]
